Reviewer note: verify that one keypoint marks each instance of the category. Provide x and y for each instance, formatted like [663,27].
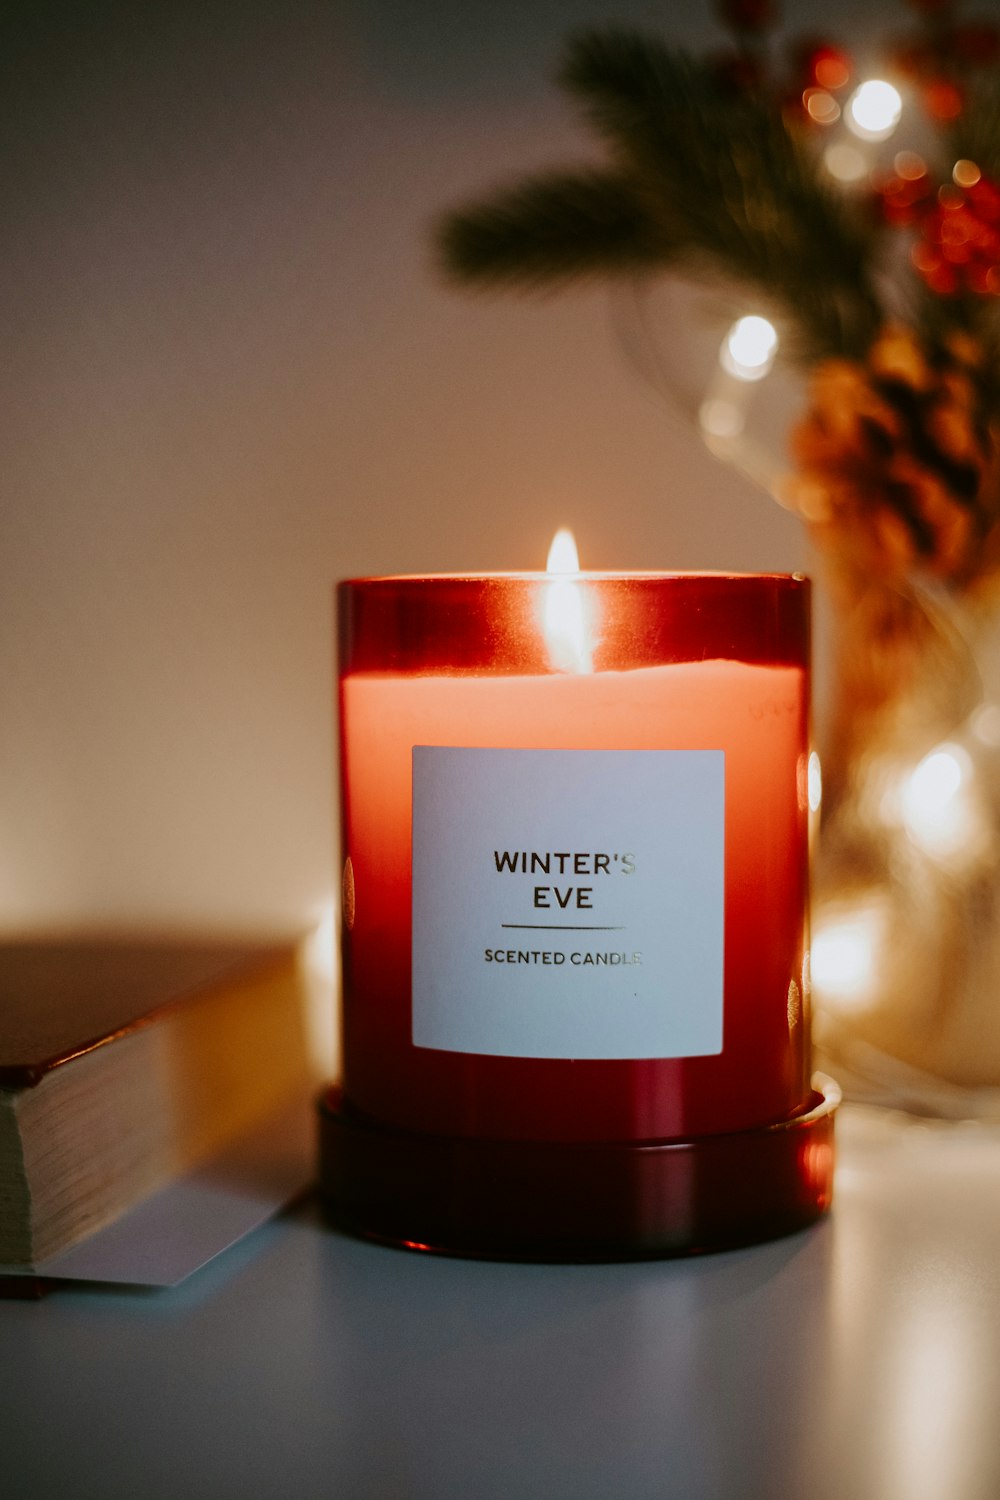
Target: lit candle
[575,824]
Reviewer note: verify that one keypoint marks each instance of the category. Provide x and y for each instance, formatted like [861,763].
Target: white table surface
[860,1359]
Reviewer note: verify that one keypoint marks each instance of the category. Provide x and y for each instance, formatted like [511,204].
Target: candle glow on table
[670,688]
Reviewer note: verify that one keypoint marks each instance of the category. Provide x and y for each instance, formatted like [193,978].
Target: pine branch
[975,135]
[727,183]
[554,229]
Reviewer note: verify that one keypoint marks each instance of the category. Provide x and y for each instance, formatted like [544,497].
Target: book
[122,1064]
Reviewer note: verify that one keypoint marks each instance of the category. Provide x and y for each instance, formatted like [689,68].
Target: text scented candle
[575,973]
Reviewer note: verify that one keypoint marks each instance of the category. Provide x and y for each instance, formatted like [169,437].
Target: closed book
[122,1064]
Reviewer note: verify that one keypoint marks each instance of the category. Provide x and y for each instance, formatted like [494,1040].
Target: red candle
[575,836]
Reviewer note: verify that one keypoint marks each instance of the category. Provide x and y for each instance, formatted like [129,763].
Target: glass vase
[906,908]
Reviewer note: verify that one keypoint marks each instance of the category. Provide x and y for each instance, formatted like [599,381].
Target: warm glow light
[749,348]
[720,419]
[986,725]
[320,946]
[821,106]
[934,1358]
[873,110]
[844,162]
[935,781]
[937,810]
[965,173]
[319,970]
[909,166]
[846,947]
[564,622]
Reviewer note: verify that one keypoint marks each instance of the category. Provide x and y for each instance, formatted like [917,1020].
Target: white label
[568,903]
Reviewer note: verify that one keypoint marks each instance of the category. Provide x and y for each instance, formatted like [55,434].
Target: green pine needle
[976,133]
[553,229]
[696,180]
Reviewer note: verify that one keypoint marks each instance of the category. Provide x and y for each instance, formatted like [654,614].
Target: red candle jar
[575,973]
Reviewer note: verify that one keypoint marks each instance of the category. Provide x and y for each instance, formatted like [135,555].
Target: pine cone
[897,463]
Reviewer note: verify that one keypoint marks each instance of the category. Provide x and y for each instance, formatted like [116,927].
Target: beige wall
[233,378]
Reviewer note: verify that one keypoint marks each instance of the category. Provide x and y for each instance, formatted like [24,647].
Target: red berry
[959,248]
[905,200]
[941,278]
[943,100]
[984,198]
[831,68]
[821,65]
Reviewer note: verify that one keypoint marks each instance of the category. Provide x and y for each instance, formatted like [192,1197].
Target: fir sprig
[976,133]
[890,291]
[556,228]
[712,182]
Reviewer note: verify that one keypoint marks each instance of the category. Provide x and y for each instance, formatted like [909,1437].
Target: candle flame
[563,556]
[563,620]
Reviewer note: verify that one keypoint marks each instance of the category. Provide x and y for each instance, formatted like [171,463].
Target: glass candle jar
[574,815]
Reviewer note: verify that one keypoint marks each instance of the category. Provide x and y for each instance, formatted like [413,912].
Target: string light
[873,110]
[749,348]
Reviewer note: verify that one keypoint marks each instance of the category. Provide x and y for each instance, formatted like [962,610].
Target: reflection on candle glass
[815,782]
[320,973]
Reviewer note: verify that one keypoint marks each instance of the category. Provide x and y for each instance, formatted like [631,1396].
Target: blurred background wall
[231,375]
